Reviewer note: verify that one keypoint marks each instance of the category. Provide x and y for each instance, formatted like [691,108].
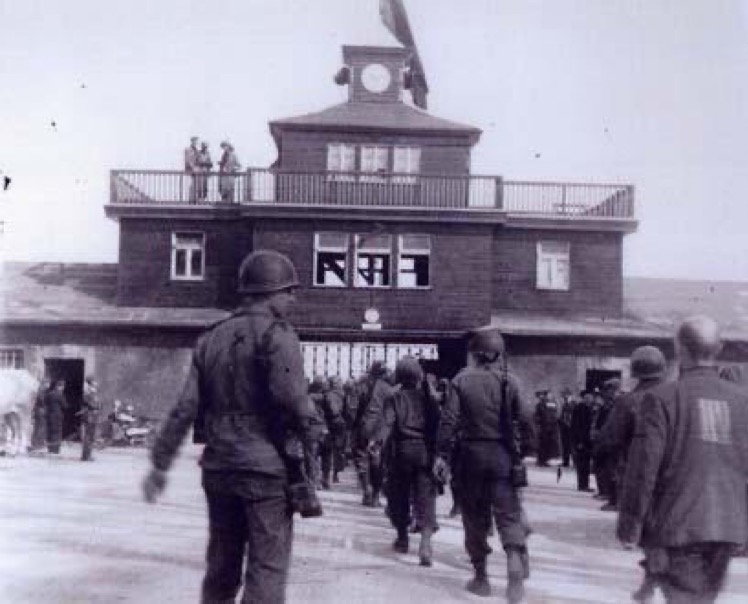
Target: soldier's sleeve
[447,432]
[179,421]
[373,415]
[642,469]
[389,414]
[286,382]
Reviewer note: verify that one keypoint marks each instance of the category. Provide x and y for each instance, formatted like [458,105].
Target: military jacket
[687,469]
[410,415]
[247,379]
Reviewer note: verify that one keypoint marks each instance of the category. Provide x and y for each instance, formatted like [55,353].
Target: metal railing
[356,189]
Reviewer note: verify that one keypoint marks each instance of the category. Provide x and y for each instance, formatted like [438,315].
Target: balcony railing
[356,189]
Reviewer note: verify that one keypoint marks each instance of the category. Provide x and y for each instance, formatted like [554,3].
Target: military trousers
[486,491]
[88,437]
[248,518]
[368,463]
[409,473]
[692,574]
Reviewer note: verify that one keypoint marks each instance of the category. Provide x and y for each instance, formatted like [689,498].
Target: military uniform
[333,447]
[89,415]
[368,434]
[247,384]
[485,464]
[684,491]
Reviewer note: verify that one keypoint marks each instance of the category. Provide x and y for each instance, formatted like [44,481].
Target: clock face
[371,315]
[376,78]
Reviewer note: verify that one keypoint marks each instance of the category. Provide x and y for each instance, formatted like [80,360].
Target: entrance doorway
[72,371]
[597,377]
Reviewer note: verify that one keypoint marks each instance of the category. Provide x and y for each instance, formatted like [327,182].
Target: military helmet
[647,362]
[408,371]
[486,340]
[378,369]
[318,384]
[266,272]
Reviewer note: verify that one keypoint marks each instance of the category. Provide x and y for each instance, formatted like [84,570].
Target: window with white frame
[406,161]
[341,158]
[331,259]
[374,160]
[373,261]
[414,260]
[188,256]
[553,265]
[11,358]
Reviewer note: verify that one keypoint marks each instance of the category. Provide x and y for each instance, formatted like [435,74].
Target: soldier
[564,425]
[320,432]
[602,463]
[411,418]
[39,435]
[581,441]
[89,415]
[546,419]
[684,493]
[485,402]
[245,391]
[56,403]
[333,456]
[368,433]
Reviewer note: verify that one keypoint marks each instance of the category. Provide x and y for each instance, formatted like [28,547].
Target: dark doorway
[72,371]
[597,377]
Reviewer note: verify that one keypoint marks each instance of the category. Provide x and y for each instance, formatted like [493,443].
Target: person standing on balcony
[204,165]
[191,167]
[228,165]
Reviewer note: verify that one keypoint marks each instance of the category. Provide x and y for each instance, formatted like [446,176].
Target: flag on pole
[395,19]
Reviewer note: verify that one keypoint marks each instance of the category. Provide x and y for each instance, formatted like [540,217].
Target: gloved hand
[153,485]
[441,470]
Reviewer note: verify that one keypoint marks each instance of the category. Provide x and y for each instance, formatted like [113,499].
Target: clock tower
[376,74]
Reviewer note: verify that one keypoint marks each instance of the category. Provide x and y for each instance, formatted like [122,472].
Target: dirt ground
[77,533]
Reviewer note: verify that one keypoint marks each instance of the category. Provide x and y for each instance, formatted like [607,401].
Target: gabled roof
[376,116]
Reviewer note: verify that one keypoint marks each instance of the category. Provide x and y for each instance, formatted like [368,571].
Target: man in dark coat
[89,415]
[684,493]
[482,406]
[546,420]
[244,393]
[411,417]
[581,441]
[564,425]
[39,434]
[56,403]
[603,464]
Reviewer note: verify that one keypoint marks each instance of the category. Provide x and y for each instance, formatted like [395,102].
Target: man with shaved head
[684,492]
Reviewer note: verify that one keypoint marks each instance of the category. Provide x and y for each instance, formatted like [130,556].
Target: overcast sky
[649,92]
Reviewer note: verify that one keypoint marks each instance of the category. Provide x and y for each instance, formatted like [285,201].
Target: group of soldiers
[49,413]
[682,490]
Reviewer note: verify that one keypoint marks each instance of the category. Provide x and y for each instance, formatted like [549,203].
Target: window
[188,256]
[11,358]
[341,158]
[553,265]
[374,160]
[373,254]
[406,160]
[414,261]
[330,259]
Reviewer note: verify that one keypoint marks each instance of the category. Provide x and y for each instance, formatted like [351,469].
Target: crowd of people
[671,455]
[198,164]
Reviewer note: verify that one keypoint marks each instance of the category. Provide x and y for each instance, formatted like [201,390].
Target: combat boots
[401,543]
[517,569]
[479,584]
[425,552]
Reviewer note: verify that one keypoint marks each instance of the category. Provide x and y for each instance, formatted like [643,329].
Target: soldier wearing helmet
[332,450]
[368,437]
[484,402]
[245,391]
[411,419]
[684,492]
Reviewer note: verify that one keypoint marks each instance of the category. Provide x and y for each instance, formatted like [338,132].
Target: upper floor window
[373,261]
[414,261]
[330,259]
[188,256]
[341,158]
[11,358]
[553,265]
[406,160]
[375,161]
